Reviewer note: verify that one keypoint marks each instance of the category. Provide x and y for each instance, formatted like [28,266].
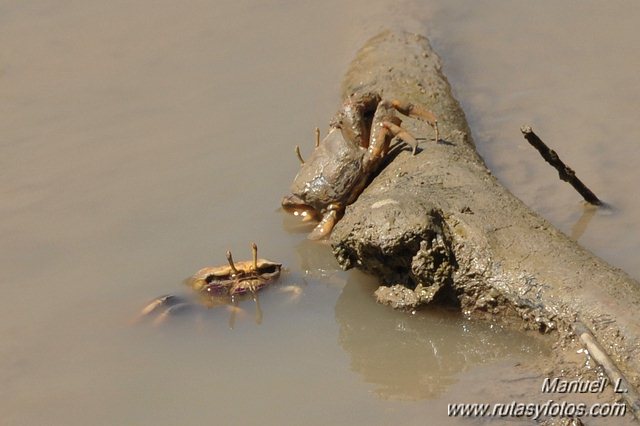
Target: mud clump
[406,245]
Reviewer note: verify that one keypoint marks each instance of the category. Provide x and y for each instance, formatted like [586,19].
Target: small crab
[342,164]
[218,285]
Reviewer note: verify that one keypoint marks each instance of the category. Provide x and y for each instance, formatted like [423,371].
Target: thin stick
[566,173]
[630,394]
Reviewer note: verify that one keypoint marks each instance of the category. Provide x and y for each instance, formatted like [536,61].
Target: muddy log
[438,226]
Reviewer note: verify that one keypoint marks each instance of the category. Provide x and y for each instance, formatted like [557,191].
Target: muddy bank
[438,226]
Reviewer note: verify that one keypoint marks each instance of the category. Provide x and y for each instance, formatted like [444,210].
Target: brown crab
[342,164]
[218,285]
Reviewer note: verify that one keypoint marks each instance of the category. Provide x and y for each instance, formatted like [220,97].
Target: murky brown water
[141,140]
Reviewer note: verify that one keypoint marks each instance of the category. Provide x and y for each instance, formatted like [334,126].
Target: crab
[343,163]
[216,286]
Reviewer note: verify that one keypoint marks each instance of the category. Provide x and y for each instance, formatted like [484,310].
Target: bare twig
[620,382]
[566,173]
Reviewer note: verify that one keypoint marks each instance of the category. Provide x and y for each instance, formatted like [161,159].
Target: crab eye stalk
[231,264]
[299,155]
[254,251]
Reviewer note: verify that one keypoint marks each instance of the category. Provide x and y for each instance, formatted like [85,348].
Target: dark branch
[566,173]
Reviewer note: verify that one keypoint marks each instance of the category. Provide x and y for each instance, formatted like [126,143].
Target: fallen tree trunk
[441,225]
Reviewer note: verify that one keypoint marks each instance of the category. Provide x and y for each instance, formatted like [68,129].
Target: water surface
[142,140]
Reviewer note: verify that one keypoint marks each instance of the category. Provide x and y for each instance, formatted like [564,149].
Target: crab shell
[222,281]
[334,174]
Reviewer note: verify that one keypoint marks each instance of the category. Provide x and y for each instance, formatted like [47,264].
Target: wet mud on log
[439,226]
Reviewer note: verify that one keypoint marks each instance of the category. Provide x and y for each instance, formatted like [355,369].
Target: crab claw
[294,205]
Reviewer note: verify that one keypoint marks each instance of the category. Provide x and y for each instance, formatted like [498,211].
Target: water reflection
[418,356]
[578,228]
[316,259]
[294,225]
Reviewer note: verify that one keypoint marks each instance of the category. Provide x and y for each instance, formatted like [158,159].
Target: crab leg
[153,307]
[379,142]
[352,118]
[402,134]
[174,310]
[155,304]
[325,226]
[417,111]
